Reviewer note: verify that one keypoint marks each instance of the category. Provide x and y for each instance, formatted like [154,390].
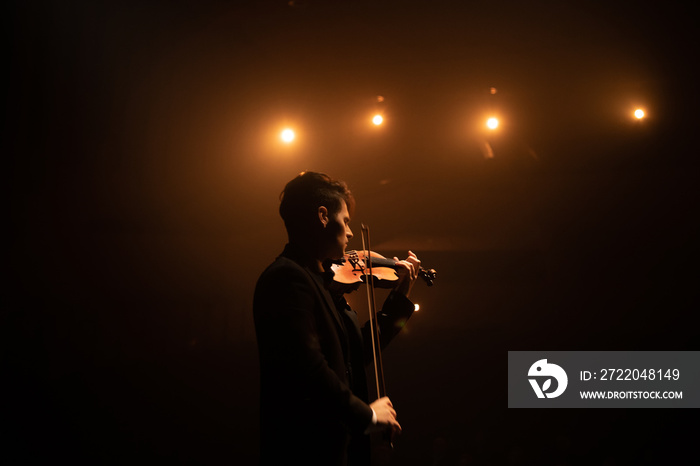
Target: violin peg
[429,276]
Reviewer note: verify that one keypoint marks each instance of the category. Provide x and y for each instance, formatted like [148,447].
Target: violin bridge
[354,260]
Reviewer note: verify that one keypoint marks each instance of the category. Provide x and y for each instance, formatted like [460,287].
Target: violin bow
[373,323]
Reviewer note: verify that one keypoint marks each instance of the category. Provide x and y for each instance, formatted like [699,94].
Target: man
[307,343]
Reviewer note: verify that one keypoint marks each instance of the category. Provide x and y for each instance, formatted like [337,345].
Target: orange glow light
[287,135]
[377,120]
[639,114]
[492,123]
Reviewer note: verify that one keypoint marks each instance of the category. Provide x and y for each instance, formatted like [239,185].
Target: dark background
[143,172]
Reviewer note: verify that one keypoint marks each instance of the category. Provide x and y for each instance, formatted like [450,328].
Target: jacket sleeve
[396,311]
[286,308]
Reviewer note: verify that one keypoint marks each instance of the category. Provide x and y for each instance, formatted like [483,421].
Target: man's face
[338,232]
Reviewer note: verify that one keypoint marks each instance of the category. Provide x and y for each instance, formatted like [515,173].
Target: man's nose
[348,233]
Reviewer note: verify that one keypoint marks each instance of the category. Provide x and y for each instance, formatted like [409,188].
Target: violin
[355,266]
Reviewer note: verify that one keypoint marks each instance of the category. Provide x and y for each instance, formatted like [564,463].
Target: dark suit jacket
[308,411]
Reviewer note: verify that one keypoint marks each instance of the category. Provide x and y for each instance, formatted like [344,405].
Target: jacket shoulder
[279,269]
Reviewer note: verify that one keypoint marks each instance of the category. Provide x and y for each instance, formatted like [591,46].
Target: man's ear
[323,216]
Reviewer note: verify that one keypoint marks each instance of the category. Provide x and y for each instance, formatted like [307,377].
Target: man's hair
[307,192]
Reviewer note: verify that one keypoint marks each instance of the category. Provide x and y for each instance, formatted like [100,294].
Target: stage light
[378,120]
[639,114]
[416,307]
[287,136]
[492,123]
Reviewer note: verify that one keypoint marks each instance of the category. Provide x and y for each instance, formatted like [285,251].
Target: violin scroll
[428,275]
